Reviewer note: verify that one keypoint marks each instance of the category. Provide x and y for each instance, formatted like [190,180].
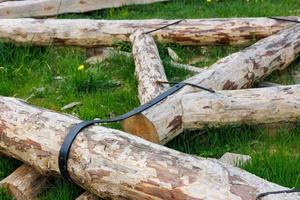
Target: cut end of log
[141,126]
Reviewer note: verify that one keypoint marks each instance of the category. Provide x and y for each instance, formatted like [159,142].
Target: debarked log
[239,70]
[116,165]
[91,33]
[24,183]
[148,66]
[40,8]
[251,106]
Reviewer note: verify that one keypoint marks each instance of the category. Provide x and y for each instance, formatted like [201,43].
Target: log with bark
[148,70]
[116,165]
[148,66]
[24,183]
[239,70]
[90,33]
[40,8]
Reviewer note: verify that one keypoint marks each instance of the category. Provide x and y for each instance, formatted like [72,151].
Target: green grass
[109,89]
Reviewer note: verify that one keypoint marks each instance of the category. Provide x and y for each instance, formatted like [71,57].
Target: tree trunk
[91,33]
[239,70]
[148,66]
[252,106]
[41,8]
[113,164]
[24,183]
[148,70]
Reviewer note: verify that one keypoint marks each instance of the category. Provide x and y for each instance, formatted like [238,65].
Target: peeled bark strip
[116,165]
[40,8]
[87,196]
[91,33]
[24,183]
[97,55]
[189,68]
[239,70]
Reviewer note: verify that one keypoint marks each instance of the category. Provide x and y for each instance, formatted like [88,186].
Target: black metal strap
[284,19]
[66,146]
[260,196]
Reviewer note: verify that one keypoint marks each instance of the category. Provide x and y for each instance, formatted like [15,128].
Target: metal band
[262,195]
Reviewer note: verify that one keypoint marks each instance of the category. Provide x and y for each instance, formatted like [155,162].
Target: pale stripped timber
[91,33]
[41,8]
[239,70]
[148,71]
[116,165]
[24,183]
[148,66]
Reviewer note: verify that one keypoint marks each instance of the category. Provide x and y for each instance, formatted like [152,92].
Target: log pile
[239,70]
[112,164]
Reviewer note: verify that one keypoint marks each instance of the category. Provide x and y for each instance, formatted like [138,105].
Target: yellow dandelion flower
[81,67]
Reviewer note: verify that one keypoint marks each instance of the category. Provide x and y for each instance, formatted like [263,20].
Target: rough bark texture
[90,33]
[113,164]
[239,70]
[39,8]
[24,183]
[87,196]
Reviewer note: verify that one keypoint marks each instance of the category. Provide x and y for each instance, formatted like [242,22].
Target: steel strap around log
[65,148]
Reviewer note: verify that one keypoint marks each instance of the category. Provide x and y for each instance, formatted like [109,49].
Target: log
[253,106]
[148,66]
[148,70]
[239,70]
[24,183]
[91,33]
[116,165]
[41,8]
